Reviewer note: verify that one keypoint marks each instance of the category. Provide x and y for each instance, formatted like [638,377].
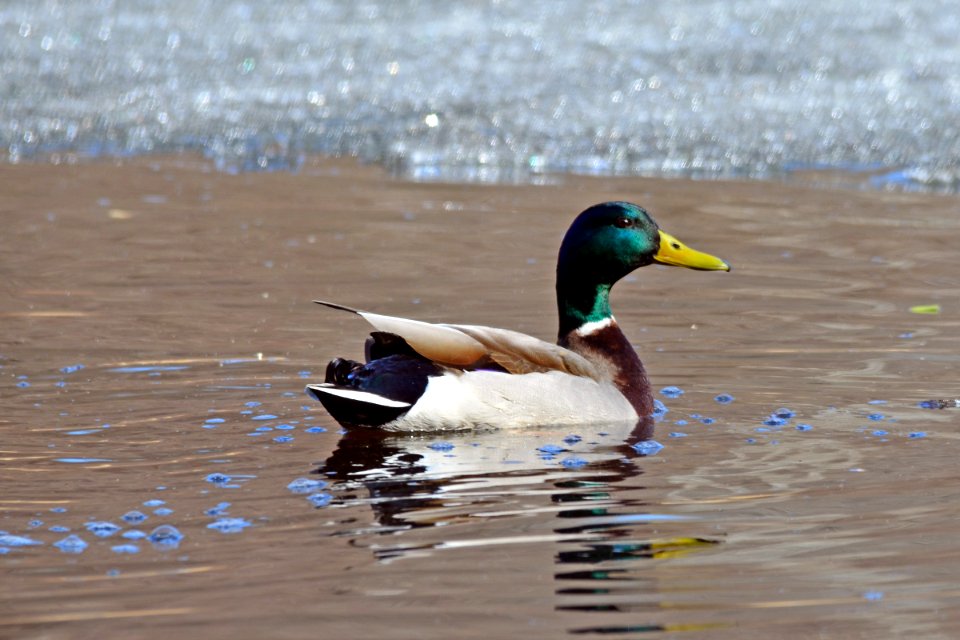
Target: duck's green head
[605,243]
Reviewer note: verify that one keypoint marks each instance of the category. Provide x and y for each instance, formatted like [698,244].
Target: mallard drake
[435,377]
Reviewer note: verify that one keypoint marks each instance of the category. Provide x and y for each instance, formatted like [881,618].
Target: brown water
[185,294]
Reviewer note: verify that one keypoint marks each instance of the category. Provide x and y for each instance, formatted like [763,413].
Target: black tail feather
[395,372]
[340,371]
[381,344]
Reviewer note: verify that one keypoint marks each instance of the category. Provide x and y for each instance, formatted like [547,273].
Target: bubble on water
[102,529]
[264,416]
[647,447]
[305,485]
[724,398]
[671,392]
[320,499]
[315,430]
[73,368]
[219,510]
[71,544]
[134,517]
[572,439]
[551,449]
[229,525]
[163,511]
[11,540]
[659,409]
[155,502]
[218,478]
[876,417]
[125,548]
[166,536]
[283,439]
[133,534]
[804,427]
[574,462]
[441,446]
[156,369]
[914,435]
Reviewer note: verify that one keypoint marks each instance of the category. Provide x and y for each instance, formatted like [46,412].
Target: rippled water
[493,91]
[163,471]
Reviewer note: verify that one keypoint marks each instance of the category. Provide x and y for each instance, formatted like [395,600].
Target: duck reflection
[411,482]
[373,458]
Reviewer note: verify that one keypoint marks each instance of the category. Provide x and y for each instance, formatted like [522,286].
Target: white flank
[589,328]
[456,401]
[359,396]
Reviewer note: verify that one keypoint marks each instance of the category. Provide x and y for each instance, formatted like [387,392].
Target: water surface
[157,332]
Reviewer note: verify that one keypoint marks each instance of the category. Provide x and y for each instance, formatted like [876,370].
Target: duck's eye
[623,222]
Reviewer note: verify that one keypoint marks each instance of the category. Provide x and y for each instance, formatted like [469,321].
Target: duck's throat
[581,304]
[603,343]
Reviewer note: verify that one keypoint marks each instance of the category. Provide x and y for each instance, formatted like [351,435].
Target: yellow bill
[677,254]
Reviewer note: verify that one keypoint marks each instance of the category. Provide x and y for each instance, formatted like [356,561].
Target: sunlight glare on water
[493,91]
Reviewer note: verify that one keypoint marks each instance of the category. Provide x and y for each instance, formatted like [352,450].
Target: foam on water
[492,91]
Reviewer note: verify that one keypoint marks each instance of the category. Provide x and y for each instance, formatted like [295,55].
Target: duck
[425,377]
